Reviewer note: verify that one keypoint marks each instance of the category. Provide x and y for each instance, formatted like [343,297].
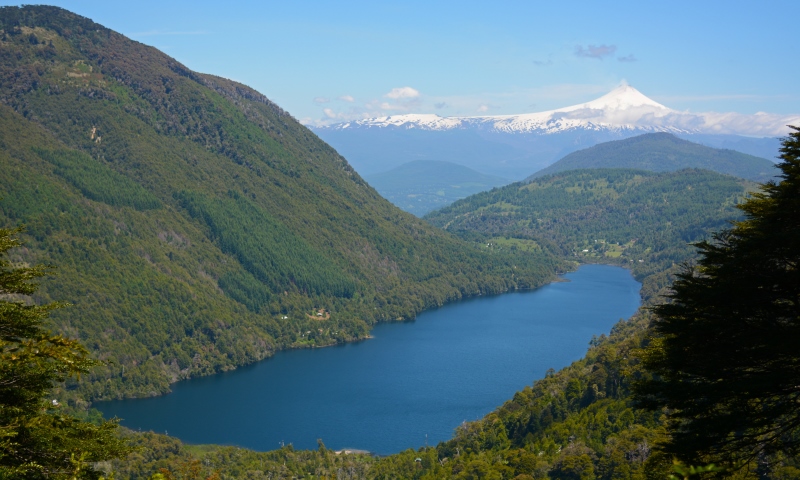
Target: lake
[413,383]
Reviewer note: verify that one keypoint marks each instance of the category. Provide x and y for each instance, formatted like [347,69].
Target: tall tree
[36,439]
[725,355]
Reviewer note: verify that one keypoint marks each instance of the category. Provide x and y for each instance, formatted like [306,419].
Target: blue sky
[339,60]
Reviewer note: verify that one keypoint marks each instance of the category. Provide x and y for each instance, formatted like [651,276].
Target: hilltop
[197,226]
[663,152]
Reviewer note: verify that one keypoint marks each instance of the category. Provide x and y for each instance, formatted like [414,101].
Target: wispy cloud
[321,100]
[440,105]
[347,98]
[628,58]
[595,51]
[543,63]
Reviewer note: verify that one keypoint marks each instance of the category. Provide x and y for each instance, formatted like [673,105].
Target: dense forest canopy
[645,221]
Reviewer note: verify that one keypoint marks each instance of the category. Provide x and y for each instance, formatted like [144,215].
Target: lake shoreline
[415,378]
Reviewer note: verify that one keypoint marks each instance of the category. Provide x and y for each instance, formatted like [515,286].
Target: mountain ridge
[515,146]
[663,152]
[622,109]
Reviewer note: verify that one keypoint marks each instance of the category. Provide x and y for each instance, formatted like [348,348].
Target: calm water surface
[414,382]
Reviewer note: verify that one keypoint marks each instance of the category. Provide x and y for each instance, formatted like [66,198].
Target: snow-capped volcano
[515,146]
[622,109]
[623,97]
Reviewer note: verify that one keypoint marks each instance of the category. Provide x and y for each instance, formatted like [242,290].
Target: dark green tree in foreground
[725,354]
[36,440]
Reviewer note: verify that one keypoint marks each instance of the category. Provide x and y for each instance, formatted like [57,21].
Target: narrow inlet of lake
[413,383]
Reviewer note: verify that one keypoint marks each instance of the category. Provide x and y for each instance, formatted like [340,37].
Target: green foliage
[686,472]
[642,220]
[159,454]
[243,287]
[36,439]
[663,152]
[97,181]
[266,248]
[724,353]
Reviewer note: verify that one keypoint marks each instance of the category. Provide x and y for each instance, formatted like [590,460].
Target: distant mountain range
[424,185]
[663,152]
[515,146]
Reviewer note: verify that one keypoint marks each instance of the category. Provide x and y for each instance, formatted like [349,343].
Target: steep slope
[424,185]
[662,152]
[196,225]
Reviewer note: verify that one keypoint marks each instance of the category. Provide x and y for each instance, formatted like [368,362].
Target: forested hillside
[664,152]
[642,220]
[197,226]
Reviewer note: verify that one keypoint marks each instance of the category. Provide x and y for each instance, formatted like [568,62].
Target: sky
[328,62]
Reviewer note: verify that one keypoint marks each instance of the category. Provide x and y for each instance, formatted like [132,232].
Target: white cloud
[483,108]
[320,100]
[402,93]
[329,113]
[347,98]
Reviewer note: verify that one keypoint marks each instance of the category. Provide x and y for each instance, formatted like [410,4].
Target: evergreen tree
[36,440]
[724,355]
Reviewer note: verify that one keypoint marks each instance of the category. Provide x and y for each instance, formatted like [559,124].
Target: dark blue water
[412,379]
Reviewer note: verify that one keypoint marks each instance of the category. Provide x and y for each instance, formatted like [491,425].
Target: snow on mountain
[624,109]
